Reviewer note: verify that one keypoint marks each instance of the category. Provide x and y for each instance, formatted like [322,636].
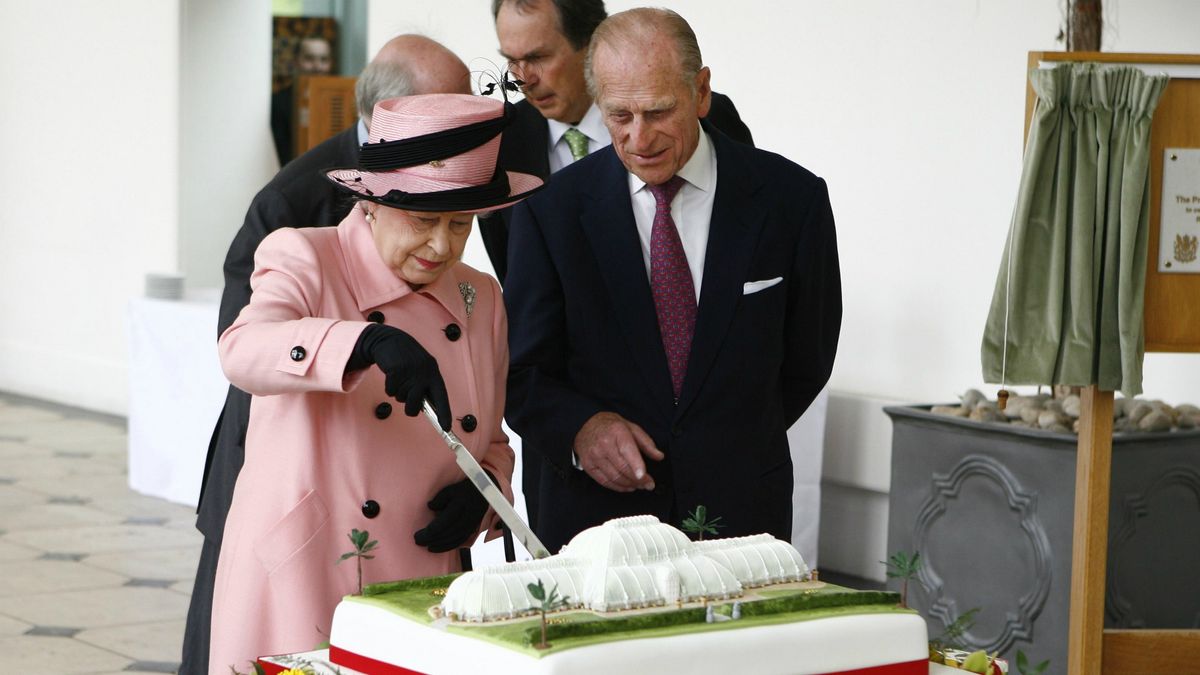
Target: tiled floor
[94,578]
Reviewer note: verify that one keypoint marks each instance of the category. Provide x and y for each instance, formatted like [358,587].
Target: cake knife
[488,489]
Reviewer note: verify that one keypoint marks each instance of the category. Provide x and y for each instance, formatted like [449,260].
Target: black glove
[412,374]
[458,510]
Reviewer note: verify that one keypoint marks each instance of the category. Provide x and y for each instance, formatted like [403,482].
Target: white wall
[133,136]
[226,150]
[89,178]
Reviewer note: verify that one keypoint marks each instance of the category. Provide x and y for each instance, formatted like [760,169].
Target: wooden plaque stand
[1171,326]
[325,106]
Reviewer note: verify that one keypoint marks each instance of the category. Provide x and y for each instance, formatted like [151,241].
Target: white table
[176,391]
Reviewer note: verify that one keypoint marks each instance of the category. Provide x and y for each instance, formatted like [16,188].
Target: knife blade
[488,489]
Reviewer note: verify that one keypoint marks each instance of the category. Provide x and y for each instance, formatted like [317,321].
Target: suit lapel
[737,220]
[608,224]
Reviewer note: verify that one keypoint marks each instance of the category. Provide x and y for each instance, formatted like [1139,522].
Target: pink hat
[436,152]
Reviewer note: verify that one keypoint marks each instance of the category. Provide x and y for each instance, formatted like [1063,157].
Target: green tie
[577,141]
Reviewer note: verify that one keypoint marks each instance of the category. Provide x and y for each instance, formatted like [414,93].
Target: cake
[640,597]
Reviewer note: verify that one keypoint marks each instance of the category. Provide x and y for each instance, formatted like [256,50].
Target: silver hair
[379,81]
[635,29]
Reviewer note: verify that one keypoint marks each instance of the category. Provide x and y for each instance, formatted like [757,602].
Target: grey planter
[990,509]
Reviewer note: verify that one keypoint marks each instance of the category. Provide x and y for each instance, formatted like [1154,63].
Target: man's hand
[610,449]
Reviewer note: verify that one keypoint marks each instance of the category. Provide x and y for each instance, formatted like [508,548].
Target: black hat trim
[389,155]
[460,199]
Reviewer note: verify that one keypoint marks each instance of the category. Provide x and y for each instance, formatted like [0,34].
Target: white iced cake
[639,597]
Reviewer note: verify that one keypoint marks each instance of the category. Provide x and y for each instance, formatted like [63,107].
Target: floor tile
[132,671]
[154,666]
[100,608]
[78,485]
[114,446]
[55,631]
[63,656]
[12,551]
[51,576]
[104,538]
[10,448]
[95,579]
[13,417]
[15,496]
[160,641]
[39,516]
[33,466]
[167,563]
[10,626]
[54,431]
[131,504]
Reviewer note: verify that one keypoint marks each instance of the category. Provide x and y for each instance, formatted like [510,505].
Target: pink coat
[321,445]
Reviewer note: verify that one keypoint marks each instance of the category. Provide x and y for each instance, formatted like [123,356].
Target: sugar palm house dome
[627,563]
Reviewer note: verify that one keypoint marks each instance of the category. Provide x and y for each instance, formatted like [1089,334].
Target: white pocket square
[756,286]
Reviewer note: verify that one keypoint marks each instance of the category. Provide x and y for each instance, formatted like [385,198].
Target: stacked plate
[164,286]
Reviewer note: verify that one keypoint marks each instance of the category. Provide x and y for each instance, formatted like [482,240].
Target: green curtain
[1067,308]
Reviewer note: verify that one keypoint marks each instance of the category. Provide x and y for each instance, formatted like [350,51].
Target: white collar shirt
[691,209]
[591,125]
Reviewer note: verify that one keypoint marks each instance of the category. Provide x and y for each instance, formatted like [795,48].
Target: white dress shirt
[591,125]
[691,209]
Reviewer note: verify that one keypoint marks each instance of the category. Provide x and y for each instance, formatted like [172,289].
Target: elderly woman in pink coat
[348,331]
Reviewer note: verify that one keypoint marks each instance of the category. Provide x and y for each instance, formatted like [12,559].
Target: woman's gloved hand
[458,511]
[412,375]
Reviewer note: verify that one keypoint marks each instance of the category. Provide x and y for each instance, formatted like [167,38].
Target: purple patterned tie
[671,283]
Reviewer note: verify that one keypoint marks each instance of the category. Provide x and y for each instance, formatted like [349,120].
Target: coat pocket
[292,532]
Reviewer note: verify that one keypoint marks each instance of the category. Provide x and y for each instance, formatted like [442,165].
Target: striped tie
[671,283]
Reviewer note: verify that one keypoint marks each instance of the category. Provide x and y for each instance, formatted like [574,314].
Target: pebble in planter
[1041,411]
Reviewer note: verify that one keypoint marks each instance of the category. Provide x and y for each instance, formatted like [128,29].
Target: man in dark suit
[545,42]
[674,304]
[557,123]
[298,196]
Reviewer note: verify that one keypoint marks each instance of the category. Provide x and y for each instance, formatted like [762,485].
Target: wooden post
[1089,549]
[1085,20]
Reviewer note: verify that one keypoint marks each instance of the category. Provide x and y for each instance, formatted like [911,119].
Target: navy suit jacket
[584,338]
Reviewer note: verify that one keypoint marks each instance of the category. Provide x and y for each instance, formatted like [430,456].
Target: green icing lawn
[412,600]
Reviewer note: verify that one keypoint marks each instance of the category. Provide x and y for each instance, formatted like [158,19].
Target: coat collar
[374,283]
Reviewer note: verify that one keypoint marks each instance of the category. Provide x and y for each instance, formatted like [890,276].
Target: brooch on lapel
[468,295]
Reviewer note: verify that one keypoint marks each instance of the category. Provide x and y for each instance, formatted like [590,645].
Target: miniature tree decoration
[1024,668]
[951,637]
[548,603]
[361,547]
[901,566]
[697,523]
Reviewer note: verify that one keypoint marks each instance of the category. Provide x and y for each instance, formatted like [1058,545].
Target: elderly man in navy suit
[545,43]
[674,304]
